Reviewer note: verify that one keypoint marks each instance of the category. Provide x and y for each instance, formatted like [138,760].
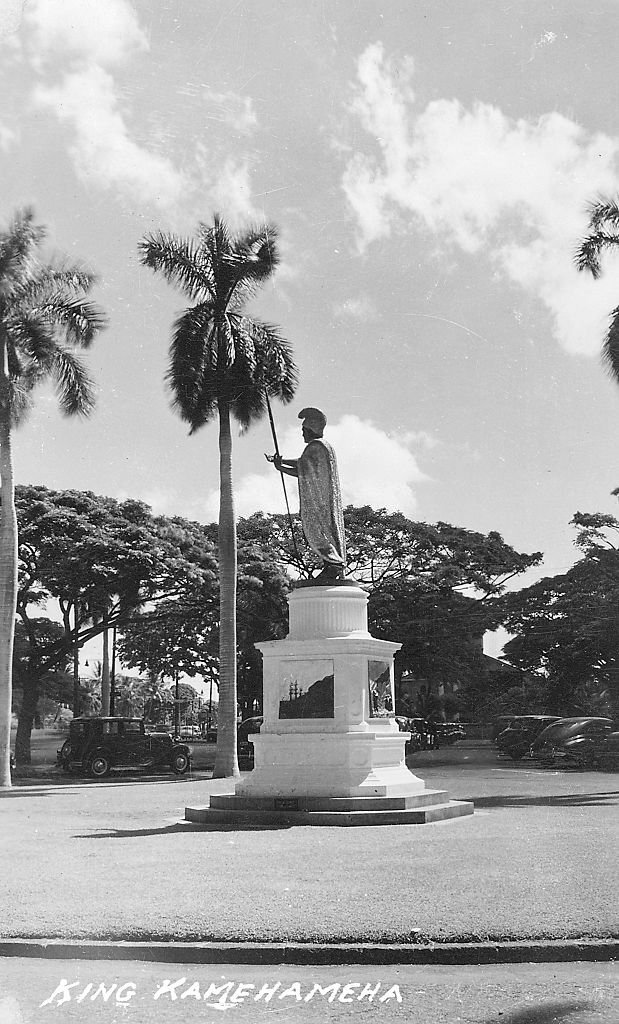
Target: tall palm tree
[44,315]
[223,363]
[603,234]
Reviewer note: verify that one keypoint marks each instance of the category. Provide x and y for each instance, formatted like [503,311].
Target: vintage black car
[572,742]
[606,753]
[417,728]
[449,732]
[97,746]
[516,740]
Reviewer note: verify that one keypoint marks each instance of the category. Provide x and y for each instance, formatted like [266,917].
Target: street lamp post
[76,658]
[177,706]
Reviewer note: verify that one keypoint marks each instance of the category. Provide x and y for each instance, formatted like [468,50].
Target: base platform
[417,809]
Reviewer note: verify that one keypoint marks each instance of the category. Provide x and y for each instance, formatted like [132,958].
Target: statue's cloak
[321,502]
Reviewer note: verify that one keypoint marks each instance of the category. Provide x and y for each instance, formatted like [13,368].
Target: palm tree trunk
[8,577]
[226,762]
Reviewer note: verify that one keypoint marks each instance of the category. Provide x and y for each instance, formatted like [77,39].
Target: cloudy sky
[428,166]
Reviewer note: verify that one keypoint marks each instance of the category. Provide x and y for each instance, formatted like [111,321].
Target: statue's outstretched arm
[288,466]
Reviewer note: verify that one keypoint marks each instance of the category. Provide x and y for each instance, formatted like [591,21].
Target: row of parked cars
[423,735]
[580,742]
[429,735]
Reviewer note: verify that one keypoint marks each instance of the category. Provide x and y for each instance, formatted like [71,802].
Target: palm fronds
[44,312]
[180,261]
[603,215]
[610,348]
[219,354]
[604,235]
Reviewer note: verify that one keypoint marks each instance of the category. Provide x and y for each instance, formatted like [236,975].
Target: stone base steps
[417,809]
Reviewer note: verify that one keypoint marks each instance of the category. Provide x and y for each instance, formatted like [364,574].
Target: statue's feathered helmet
[314,419]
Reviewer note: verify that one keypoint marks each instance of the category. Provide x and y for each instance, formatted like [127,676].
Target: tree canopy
[80,553]
[566,626]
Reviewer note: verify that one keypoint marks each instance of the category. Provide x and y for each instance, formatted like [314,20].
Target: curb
[273,953]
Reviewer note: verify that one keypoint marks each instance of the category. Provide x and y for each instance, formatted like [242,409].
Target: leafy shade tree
[226,364]
[566,626]
[433,587]
[55,684]
[603,235]
[80,552]
[182,635]
[44,317]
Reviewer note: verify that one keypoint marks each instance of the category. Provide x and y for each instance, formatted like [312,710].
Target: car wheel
[180,762]
[65,756]
[99,766]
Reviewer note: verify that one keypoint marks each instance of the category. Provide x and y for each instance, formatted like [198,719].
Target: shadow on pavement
[546,1013]
[558,800]
[190,826]
[42,784]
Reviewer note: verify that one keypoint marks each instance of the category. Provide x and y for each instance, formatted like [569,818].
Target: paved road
[88,992]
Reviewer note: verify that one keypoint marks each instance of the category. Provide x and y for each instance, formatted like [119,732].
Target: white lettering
[268,992]
[168,988]
[241,990]
[392,993]
[369,992]
[103,991]
[214,990]
[348,991]
[84,993]
[123,996]
[294,990]
[62,989]
[193,990]
[333,989]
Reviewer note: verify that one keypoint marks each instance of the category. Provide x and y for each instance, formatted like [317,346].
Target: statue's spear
[277,453]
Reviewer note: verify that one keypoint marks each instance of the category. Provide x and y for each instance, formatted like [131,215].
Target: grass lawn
[115,859]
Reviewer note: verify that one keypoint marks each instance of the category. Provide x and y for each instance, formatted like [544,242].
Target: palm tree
[43,316]
[603,235]
[223,363]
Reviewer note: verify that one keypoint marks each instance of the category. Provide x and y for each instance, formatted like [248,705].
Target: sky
[428,166]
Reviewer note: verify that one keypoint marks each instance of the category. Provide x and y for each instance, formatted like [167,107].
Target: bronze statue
[320,498]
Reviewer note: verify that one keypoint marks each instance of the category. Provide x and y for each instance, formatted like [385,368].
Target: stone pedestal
[329,749]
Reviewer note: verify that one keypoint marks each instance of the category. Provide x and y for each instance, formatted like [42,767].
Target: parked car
[248,727]
[498,724]
[97,746]
[449,732]
[606,753]
[190,732]
[516,740]
[572,741]
[417,728]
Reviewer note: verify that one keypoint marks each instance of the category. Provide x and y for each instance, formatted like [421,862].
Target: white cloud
[103,152]
[85,38]
[11,14]
[7,137]
[375,469]
[74,45]
[89,30]
[231,193]
[513,191]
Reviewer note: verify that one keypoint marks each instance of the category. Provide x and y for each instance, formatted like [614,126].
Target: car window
[110,728]
[133,727]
